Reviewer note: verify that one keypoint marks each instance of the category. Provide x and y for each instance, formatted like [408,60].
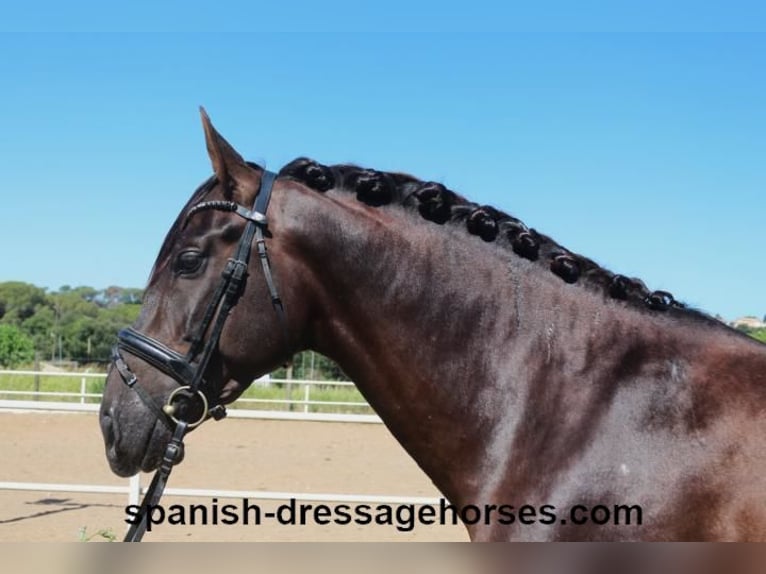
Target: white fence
[84,401]
[134,490]
[80,396]
[287,387]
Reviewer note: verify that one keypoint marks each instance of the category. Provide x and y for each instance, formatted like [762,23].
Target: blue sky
[643,151]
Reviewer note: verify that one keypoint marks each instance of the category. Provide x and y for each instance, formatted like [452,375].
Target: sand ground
[237,454]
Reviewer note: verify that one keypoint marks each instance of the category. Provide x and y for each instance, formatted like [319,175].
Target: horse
[525,380]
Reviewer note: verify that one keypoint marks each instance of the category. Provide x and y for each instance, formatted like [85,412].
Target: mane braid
[440,205]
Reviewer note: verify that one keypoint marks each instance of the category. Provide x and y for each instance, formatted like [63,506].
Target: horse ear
[238,178]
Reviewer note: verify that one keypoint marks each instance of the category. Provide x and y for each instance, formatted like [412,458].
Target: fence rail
[31,406]
[292,395]
[134,490]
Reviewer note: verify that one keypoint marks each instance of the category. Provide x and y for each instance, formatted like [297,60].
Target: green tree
[40,327]
[132,296]
[312,365]
[76,323]
[19,301]
[113,296]
[16,348]
[90,339]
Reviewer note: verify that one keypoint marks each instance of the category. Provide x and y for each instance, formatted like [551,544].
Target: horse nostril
[109,428]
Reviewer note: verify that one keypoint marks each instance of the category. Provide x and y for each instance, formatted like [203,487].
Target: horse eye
[188,262]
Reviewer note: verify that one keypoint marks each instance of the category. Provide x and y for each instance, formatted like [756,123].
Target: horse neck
[449,338]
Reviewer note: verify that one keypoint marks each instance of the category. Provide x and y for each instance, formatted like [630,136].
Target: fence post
[134,489]
[289,386]
[306,398]
[37,376]
[83,388]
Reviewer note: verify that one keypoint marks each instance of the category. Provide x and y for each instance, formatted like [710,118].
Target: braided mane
[440,205]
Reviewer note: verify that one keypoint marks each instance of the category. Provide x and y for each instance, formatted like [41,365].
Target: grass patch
[105,533]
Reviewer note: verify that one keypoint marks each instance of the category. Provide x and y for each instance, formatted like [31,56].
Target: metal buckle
[252,215]
[169,409]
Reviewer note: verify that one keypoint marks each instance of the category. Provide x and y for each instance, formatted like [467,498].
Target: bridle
[189,369]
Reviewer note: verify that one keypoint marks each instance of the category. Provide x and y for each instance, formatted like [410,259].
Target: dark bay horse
[524,379]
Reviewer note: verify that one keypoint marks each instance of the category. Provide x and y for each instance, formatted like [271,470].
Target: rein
[189,370]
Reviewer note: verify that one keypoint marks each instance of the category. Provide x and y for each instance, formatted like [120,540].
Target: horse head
[212,319]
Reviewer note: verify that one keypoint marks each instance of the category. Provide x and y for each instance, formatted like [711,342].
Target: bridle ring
[169,409]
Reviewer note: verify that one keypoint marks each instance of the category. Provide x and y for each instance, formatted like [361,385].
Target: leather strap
[130,379]
[173,452]
[183,369]
[155,353]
